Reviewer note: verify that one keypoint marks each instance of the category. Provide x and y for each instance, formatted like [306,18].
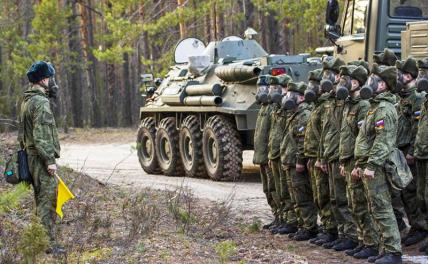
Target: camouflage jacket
[421,141]
[314,127]
[378,133]
[292,150]
[261,135]
[354,112]
[329,146]
[409,112]
[277,127]
[38,132]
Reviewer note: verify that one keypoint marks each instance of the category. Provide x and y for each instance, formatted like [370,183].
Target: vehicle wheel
[190,142]
[167,150]
[146,146]
[222,149]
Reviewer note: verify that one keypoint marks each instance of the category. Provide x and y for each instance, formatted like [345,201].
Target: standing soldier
[39,137]
[352,79]
[409,112]
[278,87]
[261,139]
[421,144]
[311,144]
[294,162]
[388,58]
[329,149]
[375,141]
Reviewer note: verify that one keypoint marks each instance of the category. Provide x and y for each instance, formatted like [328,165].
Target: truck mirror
[332,12]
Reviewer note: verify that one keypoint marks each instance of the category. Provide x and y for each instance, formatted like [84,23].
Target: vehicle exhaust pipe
[203,100]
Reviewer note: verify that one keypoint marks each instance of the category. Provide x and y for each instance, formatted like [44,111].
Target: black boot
[389,258]
[319,236]
[345,244]
[331,244]
[305,235]
[351,252]
[271,224]
[366,252]
[414,236]
[329,237]
[401,224]
[287,229]
[424,248]
[372,259]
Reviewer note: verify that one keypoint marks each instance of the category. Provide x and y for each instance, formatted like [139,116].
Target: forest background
[101,47]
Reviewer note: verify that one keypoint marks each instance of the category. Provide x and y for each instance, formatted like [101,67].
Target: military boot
[272,224]
[414,236]
[319,236]
[287,229]
[372,259]
[351,252]
[366,252]
[331,244]
[329,237]
[401,224]
[389,258]
[424,248]
[345,245]
[305,235]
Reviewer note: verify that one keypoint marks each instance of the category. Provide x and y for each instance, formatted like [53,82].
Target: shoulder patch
[380,124]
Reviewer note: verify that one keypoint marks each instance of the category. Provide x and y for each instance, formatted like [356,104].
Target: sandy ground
[118,164]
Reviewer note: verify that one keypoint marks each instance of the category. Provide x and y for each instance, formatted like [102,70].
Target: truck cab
[367,27]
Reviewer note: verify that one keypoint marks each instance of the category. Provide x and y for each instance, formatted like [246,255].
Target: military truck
[367,27]
[202,115]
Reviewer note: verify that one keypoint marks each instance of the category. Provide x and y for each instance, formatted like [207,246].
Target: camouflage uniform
[354,113]
[281,195]
[375,141]
[261,139]
[40,138]
[319,179]
[292,152]
[408,110]
[421,155]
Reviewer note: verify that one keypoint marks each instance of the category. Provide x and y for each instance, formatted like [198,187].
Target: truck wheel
[222,149]
[190,142]
[167,151]
[146,146]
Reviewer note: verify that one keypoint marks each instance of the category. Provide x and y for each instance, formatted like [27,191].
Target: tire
[167,150]
[190,143]
[146,146]
[222,149]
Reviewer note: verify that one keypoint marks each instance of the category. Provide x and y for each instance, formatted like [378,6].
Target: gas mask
[422,80]
[289,101]
[328,81]
[371,86]
[262,94]
[343,88]
[311,93]
[401,85]
[275,94]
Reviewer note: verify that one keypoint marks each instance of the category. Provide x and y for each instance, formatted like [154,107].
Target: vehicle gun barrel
[204,89]
[238,73]
[203,100]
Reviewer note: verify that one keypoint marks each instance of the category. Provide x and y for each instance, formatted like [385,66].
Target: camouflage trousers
[321,196]
[299,186]
[380,207]
[45,193]
[422,184]
[268,187]
[281,195]
[339,202]
[357,203]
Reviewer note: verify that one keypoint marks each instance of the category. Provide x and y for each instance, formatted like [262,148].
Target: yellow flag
[64,194]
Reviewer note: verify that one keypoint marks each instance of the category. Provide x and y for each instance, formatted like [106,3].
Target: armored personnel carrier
[198,120]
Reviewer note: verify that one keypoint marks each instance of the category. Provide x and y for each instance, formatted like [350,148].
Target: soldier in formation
[323,149]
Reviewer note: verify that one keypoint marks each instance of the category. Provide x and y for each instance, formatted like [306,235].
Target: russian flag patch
[301,129]
[380,124]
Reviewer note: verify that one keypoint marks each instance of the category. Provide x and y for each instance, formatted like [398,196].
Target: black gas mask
[275,94]
[312,92]
[422,80]
[370,87]
[262,94]
[401,85]
[289,101]
[328,81]
[343,88]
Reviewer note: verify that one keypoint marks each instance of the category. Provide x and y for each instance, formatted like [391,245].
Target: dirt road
[118,164]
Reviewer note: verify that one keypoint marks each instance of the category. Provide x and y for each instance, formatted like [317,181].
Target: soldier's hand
[369,174]
[410,159]
[342,170]
[318,164]
[356,173]
[283,166]
[52,169]
[300,167]
[324,168]
[270,164]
